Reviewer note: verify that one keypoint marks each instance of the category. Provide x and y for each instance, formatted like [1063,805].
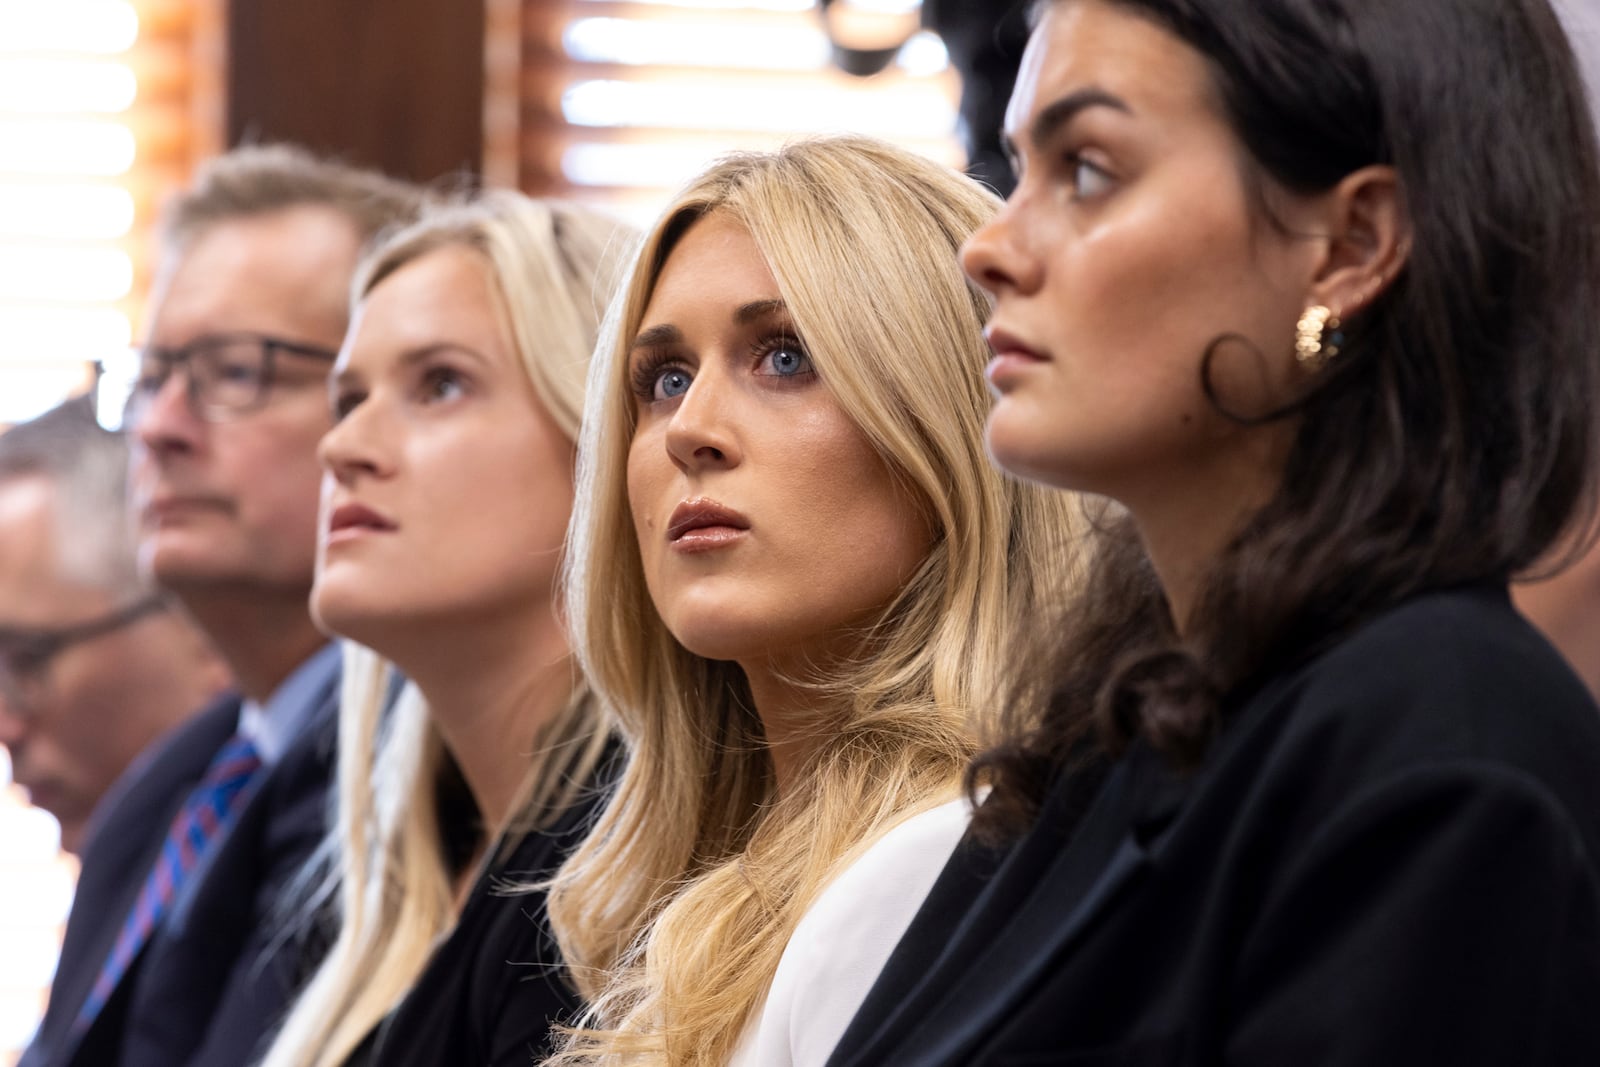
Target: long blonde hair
[674,912]
[550,265]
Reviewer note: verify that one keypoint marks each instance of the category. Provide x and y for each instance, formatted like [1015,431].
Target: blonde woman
[448,488]
[790,572]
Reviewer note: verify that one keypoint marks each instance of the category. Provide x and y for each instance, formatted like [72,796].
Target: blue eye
[670,383]
[787,362]
[783,357]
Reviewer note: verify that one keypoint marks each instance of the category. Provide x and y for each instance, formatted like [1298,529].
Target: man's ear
[1369,240]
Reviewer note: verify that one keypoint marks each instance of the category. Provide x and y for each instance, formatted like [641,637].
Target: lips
[175,506]
[704,524]
[1012,361]
[1007,345]
[354,518]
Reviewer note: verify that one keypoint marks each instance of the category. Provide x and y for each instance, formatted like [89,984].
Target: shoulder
[908,855]
[1455,675]
[1449,690]
[146,794]
[1468,645]
[845,937]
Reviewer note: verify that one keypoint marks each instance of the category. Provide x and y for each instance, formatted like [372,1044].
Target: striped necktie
[202,819]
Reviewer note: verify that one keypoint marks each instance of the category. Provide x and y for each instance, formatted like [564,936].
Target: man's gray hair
[89,469]
[255,180]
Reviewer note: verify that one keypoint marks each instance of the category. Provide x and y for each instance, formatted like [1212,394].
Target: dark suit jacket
[1391,856]
[218,974]
[127,831]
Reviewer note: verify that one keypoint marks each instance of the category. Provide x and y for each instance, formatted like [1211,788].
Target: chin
[177,566]
[341,611]
[719,636]
[1024,456]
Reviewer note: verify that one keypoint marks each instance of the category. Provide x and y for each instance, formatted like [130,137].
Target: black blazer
[219,972]
[494,988]
[1390,856]
[126,833]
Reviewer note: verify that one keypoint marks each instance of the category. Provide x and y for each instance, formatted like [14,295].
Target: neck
[491,691]
[262,635]
[1186,522]
[788,716]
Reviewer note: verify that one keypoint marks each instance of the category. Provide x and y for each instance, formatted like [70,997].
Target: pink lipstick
[701,525]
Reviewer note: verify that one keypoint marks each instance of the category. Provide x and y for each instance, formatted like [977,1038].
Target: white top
[845,938]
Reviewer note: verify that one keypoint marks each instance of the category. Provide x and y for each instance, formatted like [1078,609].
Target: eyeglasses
[227,375]
[26,655]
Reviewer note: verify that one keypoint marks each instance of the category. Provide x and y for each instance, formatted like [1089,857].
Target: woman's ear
[1368,244]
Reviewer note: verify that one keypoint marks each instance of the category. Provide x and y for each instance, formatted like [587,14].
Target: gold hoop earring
[1317,337]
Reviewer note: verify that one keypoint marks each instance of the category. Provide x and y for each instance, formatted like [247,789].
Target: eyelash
[1076,161]
[433,377]
[642,380]
[779,342]
[648,371]
[343,403]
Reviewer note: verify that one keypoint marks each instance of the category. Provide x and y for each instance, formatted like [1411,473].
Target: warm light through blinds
[621,101]
[97,118]
[102,109]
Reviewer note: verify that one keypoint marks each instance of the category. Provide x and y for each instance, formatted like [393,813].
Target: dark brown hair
[1453,439]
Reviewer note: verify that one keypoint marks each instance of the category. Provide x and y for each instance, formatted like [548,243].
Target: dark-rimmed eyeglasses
[26,654]
[225,375]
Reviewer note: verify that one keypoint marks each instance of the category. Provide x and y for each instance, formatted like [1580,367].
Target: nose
[356,445]
[13,725]
[701,433]
[998,256]
[167,423]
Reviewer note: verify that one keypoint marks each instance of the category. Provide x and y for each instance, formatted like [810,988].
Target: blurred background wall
[107,104]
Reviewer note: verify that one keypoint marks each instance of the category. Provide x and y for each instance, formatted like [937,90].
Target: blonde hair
[674,912]
[550,265]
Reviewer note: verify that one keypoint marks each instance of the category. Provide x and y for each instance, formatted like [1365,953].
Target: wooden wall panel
[395,84]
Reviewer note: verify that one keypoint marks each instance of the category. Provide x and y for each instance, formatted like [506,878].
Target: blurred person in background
[1566,604]
[984,43]
[94,665]
[180,961]
[449,484]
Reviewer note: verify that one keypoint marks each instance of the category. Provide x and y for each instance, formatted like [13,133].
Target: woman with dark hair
[1306,289]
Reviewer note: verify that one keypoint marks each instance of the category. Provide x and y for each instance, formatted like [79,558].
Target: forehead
[285,273]
[27,510]
[715,267]
[1084,44]
[445,295]
[33,587]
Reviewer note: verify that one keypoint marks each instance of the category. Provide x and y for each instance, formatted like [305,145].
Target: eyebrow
[759,309]
[411,357]
[658,337]
[665,335]
[1060,112]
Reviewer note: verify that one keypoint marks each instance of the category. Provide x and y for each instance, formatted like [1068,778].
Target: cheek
[647,464]
[85,721]
[873,532]
[276,475]
[1132,289]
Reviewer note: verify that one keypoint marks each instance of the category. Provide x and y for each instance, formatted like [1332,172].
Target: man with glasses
[189,961]
[94,666]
